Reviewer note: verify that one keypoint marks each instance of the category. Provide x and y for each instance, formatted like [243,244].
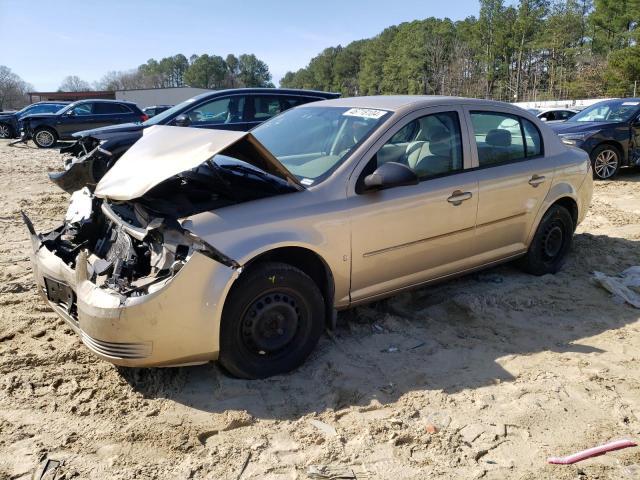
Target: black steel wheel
[550,243]
[271,321]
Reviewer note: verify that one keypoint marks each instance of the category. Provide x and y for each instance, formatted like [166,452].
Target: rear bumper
[176,324]
[585,193]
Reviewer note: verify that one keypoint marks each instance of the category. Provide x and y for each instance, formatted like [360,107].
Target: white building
[146,97]
[547,104]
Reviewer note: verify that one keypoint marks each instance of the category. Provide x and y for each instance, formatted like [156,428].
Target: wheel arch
[562,194]
[305,259]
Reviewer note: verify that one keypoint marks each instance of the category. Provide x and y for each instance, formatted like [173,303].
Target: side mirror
[182,121]
[390,174]
[70,113]
[543,119]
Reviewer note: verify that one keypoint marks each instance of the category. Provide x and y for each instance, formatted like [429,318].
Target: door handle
[536,180]
[458,197]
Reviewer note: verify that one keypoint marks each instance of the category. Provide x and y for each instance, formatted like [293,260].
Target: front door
[80,117]
[222,113]
[406,235]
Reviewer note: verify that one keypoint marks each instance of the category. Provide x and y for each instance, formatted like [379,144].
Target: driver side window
[83,109]
[218,111]
[431,146]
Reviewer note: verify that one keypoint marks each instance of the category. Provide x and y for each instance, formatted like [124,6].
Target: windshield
[313,141]
[158,119]
[612,111]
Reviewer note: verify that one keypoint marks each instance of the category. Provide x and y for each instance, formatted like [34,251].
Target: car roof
[104,100]
[275,91]
[399,102]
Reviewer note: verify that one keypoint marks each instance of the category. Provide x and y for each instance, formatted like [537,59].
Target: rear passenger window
[430,145]
[290,102]
[264,107]
[107,108]
[502,138]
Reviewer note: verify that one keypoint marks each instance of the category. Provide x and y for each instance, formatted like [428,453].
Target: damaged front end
[124,271]
[129,250]
[134,286]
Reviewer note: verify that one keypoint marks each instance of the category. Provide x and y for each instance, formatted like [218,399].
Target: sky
[44,41]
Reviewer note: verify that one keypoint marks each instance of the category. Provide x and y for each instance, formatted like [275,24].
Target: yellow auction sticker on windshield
[364,113]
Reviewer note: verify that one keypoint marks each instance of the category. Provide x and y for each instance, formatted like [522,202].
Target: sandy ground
[486,376]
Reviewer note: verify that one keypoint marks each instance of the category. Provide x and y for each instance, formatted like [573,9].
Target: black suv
[9,120]
[239,109]
[609,131]
[47,129]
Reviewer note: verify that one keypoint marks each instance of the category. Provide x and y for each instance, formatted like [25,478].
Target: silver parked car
[240,246]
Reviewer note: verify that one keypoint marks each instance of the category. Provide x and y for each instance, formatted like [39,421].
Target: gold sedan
[200,245]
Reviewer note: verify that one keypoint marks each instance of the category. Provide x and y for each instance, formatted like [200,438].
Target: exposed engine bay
[129,249]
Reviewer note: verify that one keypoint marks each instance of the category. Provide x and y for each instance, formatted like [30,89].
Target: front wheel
[271,321]
[606,161]
[45,138]
[550,243]
[5,131]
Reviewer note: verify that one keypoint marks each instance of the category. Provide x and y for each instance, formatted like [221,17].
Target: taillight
[144,117]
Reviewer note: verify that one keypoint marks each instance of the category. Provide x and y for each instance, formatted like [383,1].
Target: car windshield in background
[311,142]
[158,119]
[614,111]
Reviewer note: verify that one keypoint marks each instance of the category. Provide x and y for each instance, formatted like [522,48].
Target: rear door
[108,113]
[514,178]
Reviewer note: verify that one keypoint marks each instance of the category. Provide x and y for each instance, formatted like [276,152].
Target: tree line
[203,71]
[533,50]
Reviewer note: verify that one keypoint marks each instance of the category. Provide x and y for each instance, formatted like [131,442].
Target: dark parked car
[609,131]
[47,129]
[9,120]
[155,110]
[239,109]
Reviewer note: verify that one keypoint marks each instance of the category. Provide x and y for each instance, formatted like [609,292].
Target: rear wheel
[44,137]
[271,321]
[550,244]
[5,131]
[606,161]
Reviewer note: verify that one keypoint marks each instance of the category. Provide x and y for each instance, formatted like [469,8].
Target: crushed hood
[164,152]
[101,132]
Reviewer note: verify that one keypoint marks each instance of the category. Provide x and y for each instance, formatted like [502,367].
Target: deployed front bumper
[176,324]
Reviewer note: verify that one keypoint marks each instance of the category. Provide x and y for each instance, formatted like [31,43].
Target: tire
[5,131]
[605,160]
[45,137]
[550,244]
[271,321]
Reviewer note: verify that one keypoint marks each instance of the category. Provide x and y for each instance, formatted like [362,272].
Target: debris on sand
[324,472]
[623,285]
[592,452]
